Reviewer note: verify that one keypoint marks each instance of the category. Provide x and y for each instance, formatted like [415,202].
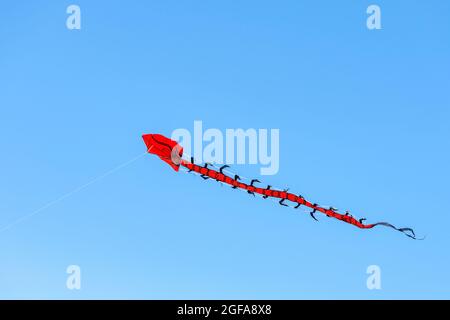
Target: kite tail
[409,232]
[283,195]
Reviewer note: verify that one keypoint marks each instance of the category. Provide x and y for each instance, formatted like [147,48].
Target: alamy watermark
[73,21]
[250,146]
[73,281]
[374,279]
[374,19]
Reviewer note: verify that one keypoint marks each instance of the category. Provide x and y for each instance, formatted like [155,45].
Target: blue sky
[364,125]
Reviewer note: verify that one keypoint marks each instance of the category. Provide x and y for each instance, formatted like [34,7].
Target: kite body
[171,152]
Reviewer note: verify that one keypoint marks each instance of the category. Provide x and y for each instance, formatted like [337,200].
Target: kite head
[168,150]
